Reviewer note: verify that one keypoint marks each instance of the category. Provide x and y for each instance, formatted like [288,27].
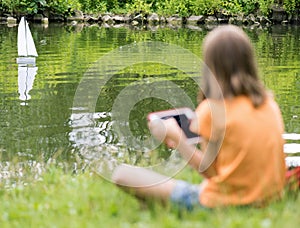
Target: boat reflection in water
[26,76]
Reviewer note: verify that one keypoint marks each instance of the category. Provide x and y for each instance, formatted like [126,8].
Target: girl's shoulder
[236,103]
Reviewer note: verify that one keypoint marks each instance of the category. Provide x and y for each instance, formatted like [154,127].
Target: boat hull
[26,60]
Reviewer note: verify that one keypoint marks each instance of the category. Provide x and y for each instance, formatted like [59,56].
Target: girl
[242,157]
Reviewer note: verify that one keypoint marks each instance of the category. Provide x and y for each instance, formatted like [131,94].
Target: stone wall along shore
[277,16]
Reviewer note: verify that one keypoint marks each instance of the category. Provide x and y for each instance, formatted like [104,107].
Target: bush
[63,7]
[92,6]
[291,5]
[6,6]
[22,6]
[249,6]
[31,7]
[264,6]
[204,7]
[165,7]
[139,6]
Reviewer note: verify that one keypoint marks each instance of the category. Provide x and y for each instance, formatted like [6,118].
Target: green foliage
[114,4]
[248,6]
[231,7]
[93,6]
[63,7]
[19,6]
[291,5]
[165,7]
[8,5]
[205,7]
[139,6]
[102,6]
[264,6]
[180,7]
[32,7]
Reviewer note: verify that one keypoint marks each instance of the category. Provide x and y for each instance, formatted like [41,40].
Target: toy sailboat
[26,47]
[26,60]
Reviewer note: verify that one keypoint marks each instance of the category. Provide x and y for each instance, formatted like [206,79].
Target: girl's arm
[171,134]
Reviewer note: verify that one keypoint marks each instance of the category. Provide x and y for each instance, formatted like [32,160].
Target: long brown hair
[229,56]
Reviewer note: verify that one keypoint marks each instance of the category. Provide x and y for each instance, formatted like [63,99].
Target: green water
[45,124]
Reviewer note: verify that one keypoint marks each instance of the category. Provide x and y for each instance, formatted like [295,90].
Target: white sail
[26,46]
[22,49]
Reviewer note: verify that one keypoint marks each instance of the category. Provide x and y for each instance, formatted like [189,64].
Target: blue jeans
[186,196]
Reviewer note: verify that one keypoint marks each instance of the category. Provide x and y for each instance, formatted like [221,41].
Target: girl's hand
[167,131]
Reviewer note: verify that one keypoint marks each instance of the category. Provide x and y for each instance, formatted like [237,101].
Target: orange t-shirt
[250,165]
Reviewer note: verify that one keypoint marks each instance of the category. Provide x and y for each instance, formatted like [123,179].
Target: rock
[237,20]
[153,19]
[153,27]
[195,20]
[223,20]
[45,21]
[134,23]
[92,20]
[119,19]
[127,18]
[120,25]
[78,13]
[104,25]
[256,25]
[211,20]
[107,19]
[249,20]
[73,23]
[174,20]
[139,18]
[162,19]
[73,19]
[263,20]
[11,21]
[194,27]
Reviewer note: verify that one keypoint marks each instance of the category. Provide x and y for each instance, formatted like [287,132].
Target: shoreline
[277,16]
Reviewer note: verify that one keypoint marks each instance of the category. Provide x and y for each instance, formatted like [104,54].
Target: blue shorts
[186,195]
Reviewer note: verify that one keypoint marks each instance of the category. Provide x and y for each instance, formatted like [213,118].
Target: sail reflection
[26,76]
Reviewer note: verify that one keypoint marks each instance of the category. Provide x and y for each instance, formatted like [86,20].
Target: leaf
[33,5]
[42,2]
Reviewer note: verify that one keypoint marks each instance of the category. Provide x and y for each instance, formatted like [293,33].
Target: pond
[92,87]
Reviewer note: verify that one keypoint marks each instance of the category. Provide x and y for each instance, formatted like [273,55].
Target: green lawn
[60,199]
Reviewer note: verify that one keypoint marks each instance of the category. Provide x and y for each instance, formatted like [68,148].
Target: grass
[60,199]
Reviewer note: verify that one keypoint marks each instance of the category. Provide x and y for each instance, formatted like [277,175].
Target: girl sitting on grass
[241,156]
